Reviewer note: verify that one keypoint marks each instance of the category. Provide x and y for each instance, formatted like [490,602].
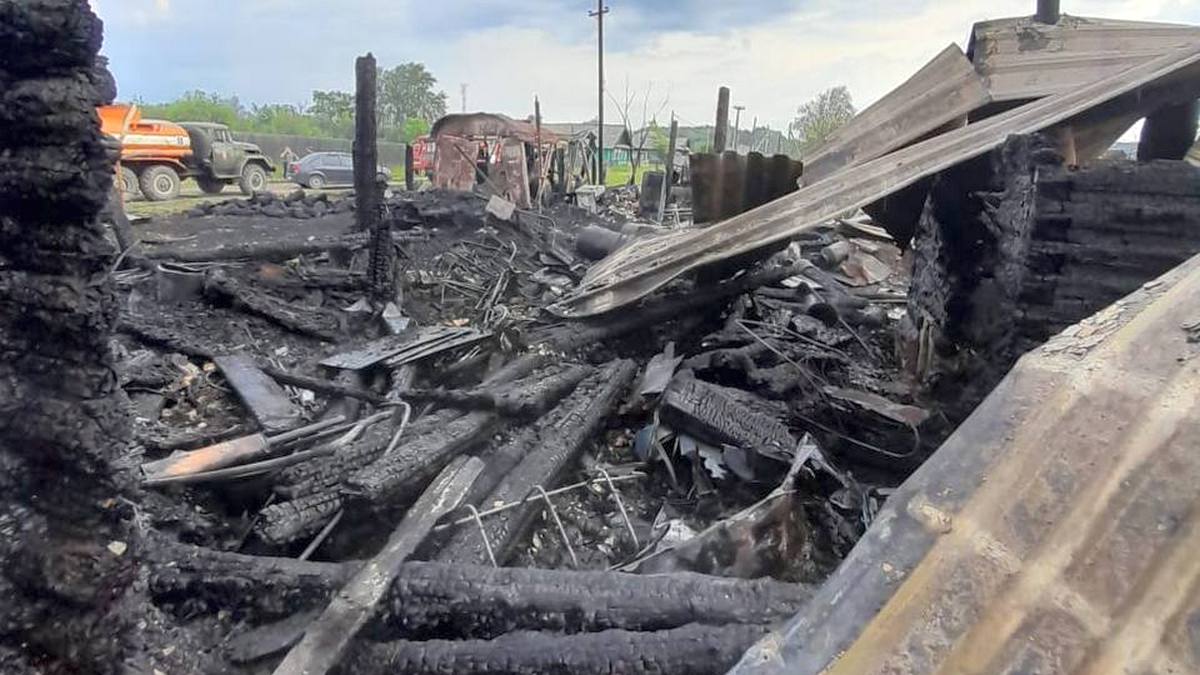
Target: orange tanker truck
[156,156]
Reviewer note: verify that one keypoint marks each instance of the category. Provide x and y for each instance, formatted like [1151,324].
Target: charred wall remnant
[67,550]
[1013,247]
[726,184]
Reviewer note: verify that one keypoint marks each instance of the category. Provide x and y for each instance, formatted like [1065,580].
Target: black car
[325,169]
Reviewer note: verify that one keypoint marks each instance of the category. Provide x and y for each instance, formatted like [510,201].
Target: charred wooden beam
[403,474]
[429,600]
[311,322]
[574,424]
[327,639]
[261,395]
[528,397]
[710,414]
[194,579]
[695,650]
[1169,133]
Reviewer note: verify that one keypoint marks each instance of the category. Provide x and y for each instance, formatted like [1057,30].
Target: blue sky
[773,54]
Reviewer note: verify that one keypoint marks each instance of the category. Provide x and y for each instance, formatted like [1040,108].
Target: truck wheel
[316,181]
[254,179]
[210,186]
[159,183]
[128,182]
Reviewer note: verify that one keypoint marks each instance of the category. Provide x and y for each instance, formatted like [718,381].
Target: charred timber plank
[309,322]
[575,424]
[404,473]
[429,600]
[692,650]
[398,350]
[708,413]
[328,638]
[201,579]
[164,337]
[263,396]
[528,397]
[314,488]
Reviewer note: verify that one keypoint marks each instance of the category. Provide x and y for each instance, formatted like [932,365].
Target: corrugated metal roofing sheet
[1057,531]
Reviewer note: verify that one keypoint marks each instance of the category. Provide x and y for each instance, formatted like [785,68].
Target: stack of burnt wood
[1014,246]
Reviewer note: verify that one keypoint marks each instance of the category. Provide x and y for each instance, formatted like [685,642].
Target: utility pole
[1048,12]
[737,126]
[601,10]
[463,89]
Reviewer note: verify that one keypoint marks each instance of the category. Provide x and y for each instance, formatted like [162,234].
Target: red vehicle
[423,153]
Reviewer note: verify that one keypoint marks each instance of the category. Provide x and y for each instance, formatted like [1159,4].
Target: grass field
[618,175]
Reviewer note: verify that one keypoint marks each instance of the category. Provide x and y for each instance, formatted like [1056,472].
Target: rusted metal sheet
[454,163]
[946,89]
[727,184]
[1022,58]
[490,125]
[633,272]
[1056,531]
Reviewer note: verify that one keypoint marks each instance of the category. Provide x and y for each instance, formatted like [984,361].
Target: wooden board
[262,395]
[947,88]
[1022,59]
[632,273]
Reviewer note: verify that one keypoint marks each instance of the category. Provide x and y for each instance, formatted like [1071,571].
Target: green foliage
[408,104]
[407,91]
[819,118]
[197,106]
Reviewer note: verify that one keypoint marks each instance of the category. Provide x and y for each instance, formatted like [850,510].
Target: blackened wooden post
[368,193]
[408,167]
[721,131]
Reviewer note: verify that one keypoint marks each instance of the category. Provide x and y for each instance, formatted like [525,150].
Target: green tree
[334,112]
[197,106]
[819,118]
[407,91]
[283,119]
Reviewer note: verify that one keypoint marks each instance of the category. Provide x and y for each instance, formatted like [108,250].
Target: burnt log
[528,397]
[691,650]
[301,517]
[192,579]
[311,322]
[400,476]
[431,600]
[709,413]
[322,386]
[544,461]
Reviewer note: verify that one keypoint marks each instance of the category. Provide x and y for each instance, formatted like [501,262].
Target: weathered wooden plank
[633,272]
[1020,58]
[946,89]
[262,395]
[397,350]
[326,640]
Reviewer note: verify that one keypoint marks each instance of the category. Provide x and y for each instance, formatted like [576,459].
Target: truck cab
[218,160]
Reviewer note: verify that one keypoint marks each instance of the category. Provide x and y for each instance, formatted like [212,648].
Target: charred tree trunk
[692,650]
[67,551]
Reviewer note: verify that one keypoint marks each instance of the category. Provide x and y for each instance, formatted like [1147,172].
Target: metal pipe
[1048,12]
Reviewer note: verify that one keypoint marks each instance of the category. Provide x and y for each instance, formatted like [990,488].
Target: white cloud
[770,68]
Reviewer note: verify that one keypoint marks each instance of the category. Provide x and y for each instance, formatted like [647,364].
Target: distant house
[612,134]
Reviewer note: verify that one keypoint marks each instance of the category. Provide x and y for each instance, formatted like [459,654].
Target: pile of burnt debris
[745,427]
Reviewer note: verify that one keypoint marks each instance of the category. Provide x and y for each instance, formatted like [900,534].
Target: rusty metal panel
[631,273]
[1021,58]
[1057,530]
[727,184]
[454,163]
